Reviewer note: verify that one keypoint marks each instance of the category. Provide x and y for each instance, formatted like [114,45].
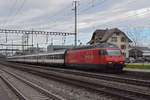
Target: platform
[137,70]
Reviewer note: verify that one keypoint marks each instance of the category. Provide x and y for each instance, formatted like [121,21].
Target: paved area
[145,63]
[137,70]
[3,94]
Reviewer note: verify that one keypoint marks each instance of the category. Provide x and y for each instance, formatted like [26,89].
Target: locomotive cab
[113,58]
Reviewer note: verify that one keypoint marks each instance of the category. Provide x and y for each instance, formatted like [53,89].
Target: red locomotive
[103,56]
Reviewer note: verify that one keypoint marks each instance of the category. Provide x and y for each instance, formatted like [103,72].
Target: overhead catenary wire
[11,18]
[6,20]
[56,19]
[10,13]
[92,5]
[127,3]
[83,12]
[18,11]
[51,19]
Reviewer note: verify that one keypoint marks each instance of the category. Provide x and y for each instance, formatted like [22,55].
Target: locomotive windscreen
[111,52]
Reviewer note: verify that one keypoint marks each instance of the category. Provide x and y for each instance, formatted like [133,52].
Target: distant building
[136,52]
[114,36]
[2,55]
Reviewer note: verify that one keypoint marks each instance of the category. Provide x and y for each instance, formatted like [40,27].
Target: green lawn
[138,66]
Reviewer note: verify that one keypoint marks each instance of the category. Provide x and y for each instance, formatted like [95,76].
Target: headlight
[109,62]
[121,62]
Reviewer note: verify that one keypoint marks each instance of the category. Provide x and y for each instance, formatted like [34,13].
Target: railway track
[92,82]
[43,94]
[13,88]
[110,77]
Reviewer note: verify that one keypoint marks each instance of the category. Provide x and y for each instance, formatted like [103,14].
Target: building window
[114,39]
[124,54]
[117,33]
[123,46]
[123,39]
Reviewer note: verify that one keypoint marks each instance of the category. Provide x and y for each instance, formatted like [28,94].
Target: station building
[137,52]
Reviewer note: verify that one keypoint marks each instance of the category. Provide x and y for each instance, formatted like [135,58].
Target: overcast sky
[131,16]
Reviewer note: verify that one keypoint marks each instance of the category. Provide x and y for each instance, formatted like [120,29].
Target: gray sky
[57,15]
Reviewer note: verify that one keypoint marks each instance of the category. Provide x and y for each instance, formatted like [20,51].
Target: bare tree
[135,34]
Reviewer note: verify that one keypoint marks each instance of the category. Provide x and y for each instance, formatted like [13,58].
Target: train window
[43,57]
[101,52]
[62,56]
[55,56]
[47,57]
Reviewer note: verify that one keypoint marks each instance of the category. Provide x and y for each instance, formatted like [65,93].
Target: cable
[19,9]
[92,6]
[10,13]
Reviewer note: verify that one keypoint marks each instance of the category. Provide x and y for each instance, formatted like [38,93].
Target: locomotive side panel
[103,58]
[86,59]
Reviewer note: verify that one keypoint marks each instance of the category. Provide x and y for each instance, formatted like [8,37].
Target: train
[104,56]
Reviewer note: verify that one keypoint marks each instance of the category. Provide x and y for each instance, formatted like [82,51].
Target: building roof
[143,49]
[104,35]
[146,54]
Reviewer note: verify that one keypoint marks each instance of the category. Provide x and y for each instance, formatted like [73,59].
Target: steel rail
[40,89]
[121,93]
[110,77]
[13,88]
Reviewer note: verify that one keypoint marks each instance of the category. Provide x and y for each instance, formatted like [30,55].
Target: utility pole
[47,38]
[23,43]
[51,41]
[6,42]
[32,38]
[12,47]
[27,39]
[37,48]
[75,12]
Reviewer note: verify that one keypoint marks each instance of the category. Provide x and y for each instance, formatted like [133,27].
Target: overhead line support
[35,32]
[75,12]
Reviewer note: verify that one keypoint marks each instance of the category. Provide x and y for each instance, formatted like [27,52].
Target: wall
[119,43]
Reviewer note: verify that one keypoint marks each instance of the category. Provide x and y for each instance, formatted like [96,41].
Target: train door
[102,56]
